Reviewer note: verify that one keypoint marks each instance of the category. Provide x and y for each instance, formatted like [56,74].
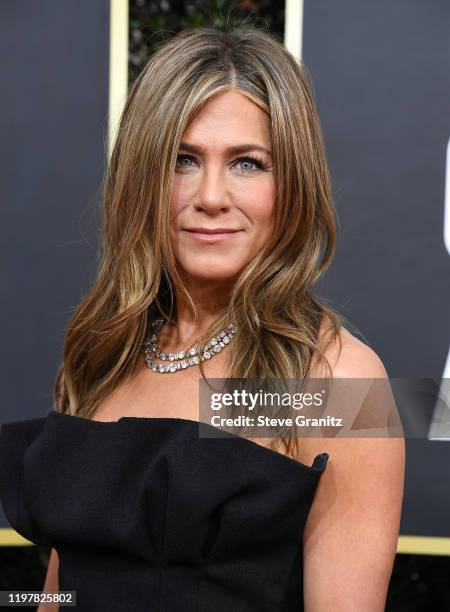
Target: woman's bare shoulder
[347,355]
[349,358]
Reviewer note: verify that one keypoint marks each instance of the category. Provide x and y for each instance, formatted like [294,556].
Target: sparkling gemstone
[161,367]
[171,357]
[181,355]
[207,355]
[217,348]
[226,339]
[173,368]
[184,364]
[193,351]
[213,341]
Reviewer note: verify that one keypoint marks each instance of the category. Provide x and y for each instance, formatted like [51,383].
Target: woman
[218,218]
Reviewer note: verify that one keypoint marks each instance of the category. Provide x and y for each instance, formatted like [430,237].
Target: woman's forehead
[229,114]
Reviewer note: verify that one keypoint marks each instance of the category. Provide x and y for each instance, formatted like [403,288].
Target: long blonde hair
[279,316]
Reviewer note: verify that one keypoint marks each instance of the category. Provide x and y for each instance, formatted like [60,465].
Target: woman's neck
[187,330]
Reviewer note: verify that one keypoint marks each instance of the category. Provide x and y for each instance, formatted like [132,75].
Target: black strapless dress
[146,515]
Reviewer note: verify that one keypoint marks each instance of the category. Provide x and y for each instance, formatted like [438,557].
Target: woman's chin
[211,273]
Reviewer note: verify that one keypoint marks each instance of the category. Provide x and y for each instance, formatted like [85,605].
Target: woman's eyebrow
[243,148]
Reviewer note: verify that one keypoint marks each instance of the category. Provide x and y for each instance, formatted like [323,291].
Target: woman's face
[223,181]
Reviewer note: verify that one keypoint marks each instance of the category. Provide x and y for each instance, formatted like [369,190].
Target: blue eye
[253,160]
[185,157]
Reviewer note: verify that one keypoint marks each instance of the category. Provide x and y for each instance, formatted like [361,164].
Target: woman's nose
[212,190]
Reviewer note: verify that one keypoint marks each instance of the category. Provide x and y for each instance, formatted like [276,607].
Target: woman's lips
[211,237]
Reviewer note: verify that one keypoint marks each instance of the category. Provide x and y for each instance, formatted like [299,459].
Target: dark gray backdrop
[53,118]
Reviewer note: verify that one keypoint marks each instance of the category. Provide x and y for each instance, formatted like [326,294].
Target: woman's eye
[253,161]
[181,158]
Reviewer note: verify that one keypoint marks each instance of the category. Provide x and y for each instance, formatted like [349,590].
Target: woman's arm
[51,582]
[350,538]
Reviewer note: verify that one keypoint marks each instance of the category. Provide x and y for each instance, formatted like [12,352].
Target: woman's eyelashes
[248,159]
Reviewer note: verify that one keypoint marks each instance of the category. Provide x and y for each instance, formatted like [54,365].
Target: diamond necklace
[190,356]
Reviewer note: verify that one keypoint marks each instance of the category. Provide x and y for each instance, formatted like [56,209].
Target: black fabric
[147,515]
